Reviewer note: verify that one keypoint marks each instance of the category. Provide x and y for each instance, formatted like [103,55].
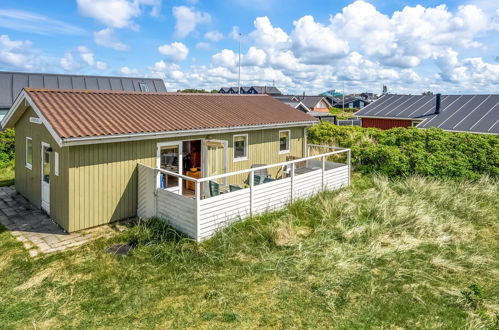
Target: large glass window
[169,160]
[284,143]
[240,147]
[29,153]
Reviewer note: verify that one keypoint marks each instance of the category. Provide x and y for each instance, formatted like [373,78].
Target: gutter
[161,135]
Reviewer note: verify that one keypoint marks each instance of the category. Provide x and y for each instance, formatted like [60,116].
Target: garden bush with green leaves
[405,151]
[7,148]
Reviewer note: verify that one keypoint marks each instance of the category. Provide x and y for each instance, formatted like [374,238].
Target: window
[143,87]
[284,137]
[29,153]
[240,147]
[56,163]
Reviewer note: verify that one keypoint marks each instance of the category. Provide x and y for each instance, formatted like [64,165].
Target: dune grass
[411,253]
[7,175]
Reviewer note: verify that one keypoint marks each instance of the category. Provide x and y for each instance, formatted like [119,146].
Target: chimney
[437,104]
[303,98]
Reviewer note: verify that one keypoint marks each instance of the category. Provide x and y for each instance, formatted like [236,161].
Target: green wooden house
[77,150]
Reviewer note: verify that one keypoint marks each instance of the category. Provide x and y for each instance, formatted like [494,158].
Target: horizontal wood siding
[178,211]
[220,211]
[103,182]
[385,123]
[28,182]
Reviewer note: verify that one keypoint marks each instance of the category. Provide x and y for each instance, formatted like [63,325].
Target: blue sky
[411,46]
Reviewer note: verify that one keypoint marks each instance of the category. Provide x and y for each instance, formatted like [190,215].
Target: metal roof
[83,113]
[460,113]
[11,84]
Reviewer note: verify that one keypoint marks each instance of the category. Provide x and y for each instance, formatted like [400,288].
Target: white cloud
[254,57]
[68,62]
[18,54]
[26,21]
[214,36]
[175,51]
[187,19]
[128,71]
[267,36]
[226,58]
[412,34]
[314,43]
[203,45]
[117,13]
[235,32]
[106,38]
[86,55]
[99,65]
[411,50]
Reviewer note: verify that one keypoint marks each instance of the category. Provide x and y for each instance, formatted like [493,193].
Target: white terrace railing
[200,217]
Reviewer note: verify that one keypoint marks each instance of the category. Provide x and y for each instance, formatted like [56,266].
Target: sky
[446,46]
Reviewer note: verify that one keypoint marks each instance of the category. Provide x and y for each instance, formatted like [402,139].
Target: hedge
[405,151]
[7,148]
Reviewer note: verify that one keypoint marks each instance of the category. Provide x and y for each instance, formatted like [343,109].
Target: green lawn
[414,253]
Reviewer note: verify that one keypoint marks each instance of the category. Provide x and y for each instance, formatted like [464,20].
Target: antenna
[239,73]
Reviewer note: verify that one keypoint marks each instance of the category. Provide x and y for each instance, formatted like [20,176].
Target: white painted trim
[246,148]
[169,134]
[47,206]
[56,163]
[283,152]
[180,161]
[24,96]
[26,164]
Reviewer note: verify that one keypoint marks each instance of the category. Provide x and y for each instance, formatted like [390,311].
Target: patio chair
[214,188]
[233,187]
[268,179]
[259,174]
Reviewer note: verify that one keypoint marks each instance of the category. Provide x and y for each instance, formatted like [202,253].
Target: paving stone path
[37,232]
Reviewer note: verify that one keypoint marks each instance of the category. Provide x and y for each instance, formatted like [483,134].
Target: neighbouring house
[315,106]
[11,84]
[455,113]
[78,154]
[269,90]
[350,102]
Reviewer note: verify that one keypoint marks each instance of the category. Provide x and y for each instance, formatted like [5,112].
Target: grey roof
[11,84]
[460,113]
[266,89]
[311,101]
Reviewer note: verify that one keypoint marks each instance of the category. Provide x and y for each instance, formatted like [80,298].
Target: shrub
[7,148]
[404,151]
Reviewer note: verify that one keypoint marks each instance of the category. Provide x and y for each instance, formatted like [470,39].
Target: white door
[45,168]
[170,159]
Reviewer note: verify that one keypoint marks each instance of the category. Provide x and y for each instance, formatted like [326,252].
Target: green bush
[404,151]
[7,148]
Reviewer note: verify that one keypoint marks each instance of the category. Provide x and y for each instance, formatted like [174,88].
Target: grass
[343,114]
[412,253]
[7,175]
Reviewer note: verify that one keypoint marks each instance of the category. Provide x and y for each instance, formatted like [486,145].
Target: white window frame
[56,163]
[281,152]
[239,159]
[28,165]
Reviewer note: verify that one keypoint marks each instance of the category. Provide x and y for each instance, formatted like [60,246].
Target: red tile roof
[83,113]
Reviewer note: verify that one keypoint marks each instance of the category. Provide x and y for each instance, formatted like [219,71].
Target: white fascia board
[162,135]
